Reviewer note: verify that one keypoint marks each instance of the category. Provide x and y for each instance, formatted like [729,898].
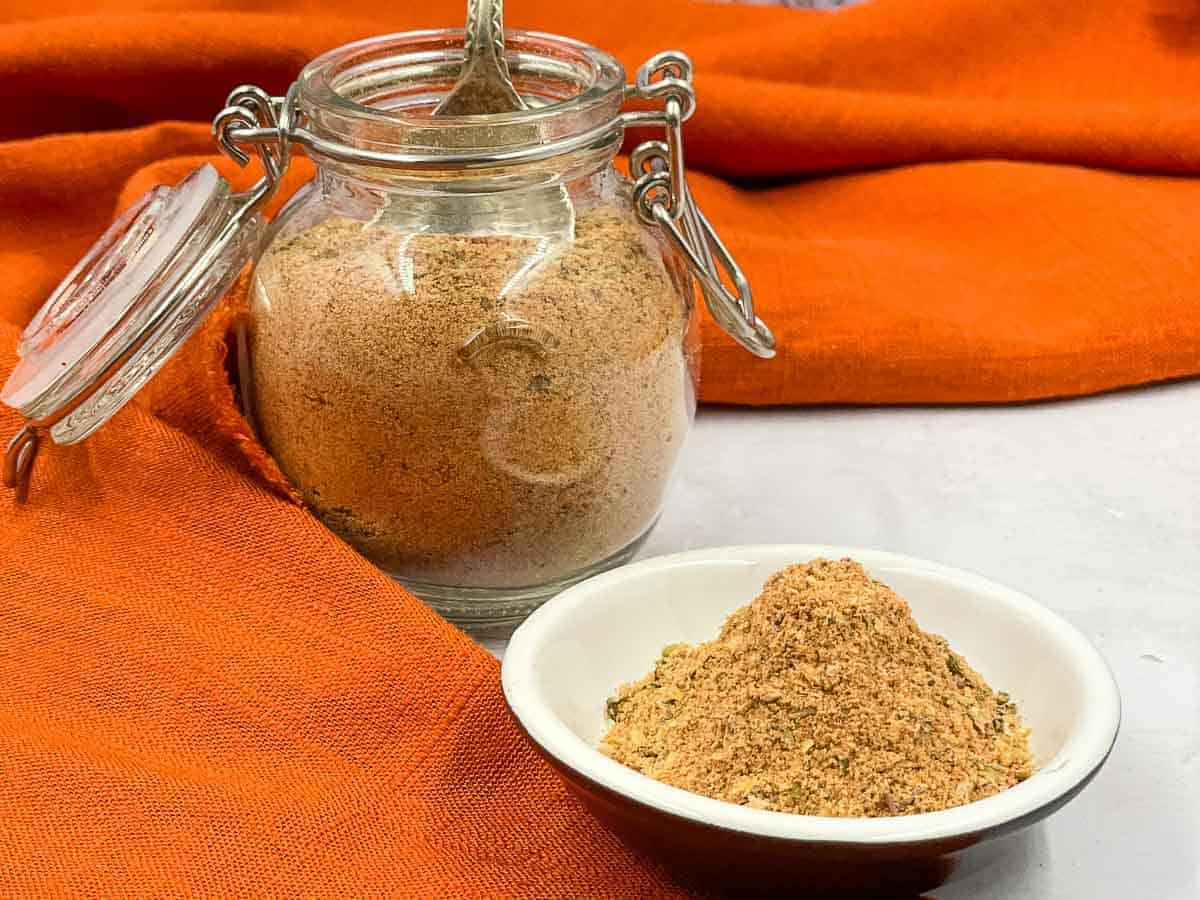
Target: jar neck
[536,205]
[375,98]
[557,171]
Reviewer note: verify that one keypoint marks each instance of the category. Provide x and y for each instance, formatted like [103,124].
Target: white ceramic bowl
[570,656]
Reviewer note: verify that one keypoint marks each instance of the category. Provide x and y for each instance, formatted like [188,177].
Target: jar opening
[379,93]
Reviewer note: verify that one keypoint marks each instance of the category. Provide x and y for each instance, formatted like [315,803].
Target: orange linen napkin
[1014,226]
[201,690]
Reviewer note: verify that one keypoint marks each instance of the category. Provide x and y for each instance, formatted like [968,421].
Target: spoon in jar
[485,88]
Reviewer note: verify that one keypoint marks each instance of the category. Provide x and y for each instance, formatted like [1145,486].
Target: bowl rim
[1083,751]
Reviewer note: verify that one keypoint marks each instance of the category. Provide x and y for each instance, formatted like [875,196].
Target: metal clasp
[662,197]
[250,109]
[18,461]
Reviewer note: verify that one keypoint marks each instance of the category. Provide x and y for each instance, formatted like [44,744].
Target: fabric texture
[202,690]
[1010,222]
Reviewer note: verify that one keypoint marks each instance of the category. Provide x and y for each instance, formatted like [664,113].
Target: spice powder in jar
[446,449]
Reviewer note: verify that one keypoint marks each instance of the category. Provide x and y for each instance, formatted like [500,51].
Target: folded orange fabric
[995,243]
[202,690]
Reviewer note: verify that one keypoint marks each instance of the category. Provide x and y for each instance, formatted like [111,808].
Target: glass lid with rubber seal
[119,315]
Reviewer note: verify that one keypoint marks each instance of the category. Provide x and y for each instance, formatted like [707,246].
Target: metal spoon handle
[485,32]
[484,86]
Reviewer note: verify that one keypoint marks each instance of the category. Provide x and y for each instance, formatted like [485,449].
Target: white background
[1091,506]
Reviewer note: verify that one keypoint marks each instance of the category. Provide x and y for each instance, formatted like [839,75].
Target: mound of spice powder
[821,697]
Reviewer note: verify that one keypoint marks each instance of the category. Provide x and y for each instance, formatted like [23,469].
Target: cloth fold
[239,705]
[202,690]
[1014,227]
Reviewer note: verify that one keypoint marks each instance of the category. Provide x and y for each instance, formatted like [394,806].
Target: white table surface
[1091,506]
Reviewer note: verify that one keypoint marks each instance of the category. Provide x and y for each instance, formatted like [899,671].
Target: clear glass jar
[480,378]
[471,343]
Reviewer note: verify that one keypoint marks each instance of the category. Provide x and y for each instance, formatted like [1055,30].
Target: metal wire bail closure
[251,109]
[662,197]
[18,461]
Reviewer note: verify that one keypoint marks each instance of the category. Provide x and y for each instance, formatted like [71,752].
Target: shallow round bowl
[571,655]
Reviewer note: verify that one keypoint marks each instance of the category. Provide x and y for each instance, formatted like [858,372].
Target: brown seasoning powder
[500,466]
[821,697]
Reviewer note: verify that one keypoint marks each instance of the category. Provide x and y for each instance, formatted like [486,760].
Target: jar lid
[130,303]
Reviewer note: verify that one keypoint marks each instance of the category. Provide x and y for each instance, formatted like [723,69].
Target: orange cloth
[201,689]
[1003,237]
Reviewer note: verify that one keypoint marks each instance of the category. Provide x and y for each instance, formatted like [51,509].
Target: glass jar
[471,340]
[480,378]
